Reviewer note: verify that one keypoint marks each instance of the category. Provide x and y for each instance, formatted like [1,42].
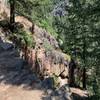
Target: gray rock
[67,96]
[61,94]
[53,98]
[49,91]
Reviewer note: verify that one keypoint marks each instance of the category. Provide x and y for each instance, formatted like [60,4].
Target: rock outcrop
[47,58]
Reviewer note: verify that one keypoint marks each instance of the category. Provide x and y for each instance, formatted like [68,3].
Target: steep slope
[46,49]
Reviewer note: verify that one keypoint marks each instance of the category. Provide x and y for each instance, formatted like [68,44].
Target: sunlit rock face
[47,65]
[47,58]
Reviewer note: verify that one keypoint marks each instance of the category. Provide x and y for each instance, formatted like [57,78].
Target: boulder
[53,63]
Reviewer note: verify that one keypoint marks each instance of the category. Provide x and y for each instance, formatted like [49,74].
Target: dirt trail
[17,93]
[17,82]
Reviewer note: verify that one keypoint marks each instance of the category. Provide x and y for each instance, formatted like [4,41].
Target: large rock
[47,64]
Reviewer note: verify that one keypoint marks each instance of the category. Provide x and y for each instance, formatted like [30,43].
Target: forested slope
[66,47]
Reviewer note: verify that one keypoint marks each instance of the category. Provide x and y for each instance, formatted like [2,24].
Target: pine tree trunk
[84,78]
[71,77]
[12,14]
[72,67]
[84,68]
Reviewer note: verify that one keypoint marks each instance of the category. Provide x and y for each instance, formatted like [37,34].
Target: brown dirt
[8,92]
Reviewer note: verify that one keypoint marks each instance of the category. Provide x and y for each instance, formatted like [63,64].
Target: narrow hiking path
[16,81]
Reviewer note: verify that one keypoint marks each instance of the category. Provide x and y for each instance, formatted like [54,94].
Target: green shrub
[48,47]
[55,81]
[23,38]
[45,23]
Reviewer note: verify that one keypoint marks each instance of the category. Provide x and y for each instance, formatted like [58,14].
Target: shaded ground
[17,82]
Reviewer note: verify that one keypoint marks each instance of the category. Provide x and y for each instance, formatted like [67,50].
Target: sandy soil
[17,93]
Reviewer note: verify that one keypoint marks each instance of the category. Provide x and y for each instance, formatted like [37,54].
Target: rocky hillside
[47,66]
[46,53]
[18,81]
[49,55]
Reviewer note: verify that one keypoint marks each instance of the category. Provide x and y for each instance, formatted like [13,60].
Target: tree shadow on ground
[13,69]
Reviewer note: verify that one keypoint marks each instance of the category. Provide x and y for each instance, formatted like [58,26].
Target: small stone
[59,92]
[49,91]
[67,96]
[53,98]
